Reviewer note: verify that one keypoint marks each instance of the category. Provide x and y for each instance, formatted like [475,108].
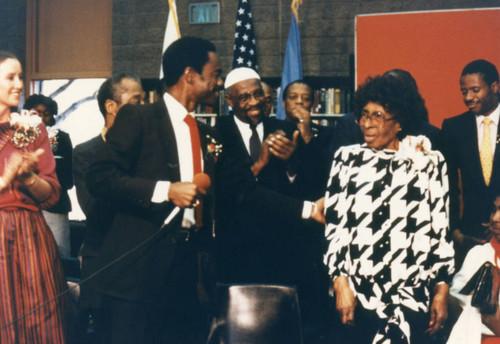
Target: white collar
[176,110]
[494,116]
[245,126]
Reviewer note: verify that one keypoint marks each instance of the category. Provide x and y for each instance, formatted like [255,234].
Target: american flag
[244,38]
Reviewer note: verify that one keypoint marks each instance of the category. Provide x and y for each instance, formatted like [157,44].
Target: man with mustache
[469,146]
[145,169]
[255,216]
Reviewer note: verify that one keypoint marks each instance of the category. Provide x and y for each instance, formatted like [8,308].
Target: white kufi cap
[240,74]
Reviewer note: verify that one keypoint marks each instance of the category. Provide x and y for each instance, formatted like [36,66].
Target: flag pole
[295,8]
[172,31]
[173,9]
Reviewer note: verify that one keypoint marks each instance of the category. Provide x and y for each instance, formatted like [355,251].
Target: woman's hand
[28,165]
[346,302]
[439,308]
[10,170]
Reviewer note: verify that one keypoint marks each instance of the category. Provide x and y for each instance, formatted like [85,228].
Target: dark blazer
[63,153]
[253,215]
[460,148]
[140,151]
[312,164]
[99,214]
[99,217]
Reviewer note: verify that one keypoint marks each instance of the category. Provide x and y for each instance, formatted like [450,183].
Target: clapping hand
[20,165]
[280,146]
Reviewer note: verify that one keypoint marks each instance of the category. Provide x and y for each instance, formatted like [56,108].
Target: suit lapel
[495,172]
[234,137]
[169,143]
[471,149]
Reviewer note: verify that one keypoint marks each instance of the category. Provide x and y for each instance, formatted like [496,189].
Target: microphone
[201,180]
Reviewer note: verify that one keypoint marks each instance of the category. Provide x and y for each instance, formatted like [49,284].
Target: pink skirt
[31,280]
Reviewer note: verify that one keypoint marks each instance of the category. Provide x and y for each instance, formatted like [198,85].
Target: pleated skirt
[31,279]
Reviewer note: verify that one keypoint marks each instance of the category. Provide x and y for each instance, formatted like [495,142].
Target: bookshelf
[332,97]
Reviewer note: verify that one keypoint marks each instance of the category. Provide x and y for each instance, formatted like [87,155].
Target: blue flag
[292,67]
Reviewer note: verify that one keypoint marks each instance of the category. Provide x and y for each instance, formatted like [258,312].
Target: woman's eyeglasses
[376,118]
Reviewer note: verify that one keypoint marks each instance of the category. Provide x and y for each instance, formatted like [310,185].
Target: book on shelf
[331,101]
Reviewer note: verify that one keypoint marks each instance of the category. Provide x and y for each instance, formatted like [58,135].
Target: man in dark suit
[115,92]
[315,146]
[268,99]
[256,219]
[467,139]
[146,170]
[309,171]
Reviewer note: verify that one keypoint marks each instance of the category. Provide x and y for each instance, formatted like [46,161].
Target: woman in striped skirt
[31,276]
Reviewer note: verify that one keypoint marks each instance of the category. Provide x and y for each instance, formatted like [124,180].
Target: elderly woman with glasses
[389,254]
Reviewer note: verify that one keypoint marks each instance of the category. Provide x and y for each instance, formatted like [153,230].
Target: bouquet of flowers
[26,128]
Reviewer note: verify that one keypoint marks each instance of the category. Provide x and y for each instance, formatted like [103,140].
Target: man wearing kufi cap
[255,216]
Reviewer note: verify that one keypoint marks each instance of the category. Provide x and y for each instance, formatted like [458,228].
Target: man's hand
[280,146]
[263,159]
[318,211]
[346,302]
[184,194]
[303,118]
[439,308]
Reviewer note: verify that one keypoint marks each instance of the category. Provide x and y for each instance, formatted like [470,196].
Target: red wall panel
[432,46]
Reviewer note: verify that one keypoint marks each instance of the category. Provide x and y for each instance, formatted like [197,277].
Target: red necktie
[195,143]
[196,148]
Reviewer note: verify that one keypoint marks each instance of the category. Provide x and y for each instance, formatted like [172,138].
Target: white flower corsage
[417,151]
[26,128]
[213,147]
[52,132]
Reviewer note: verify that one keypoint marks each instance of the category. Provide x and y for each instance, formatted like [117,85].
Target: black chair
[256,314]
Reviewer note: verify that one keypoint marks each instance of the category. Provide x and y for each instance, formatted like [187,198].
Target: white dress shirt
[177,112]
[494,116]
[246,132]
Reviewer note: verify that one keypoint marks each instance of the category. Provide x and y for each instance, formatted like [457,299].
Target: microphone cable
[85,280]
[202,180]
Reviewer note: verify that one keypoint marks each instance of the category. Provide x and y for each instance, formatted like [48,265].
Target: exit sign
[204,13]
